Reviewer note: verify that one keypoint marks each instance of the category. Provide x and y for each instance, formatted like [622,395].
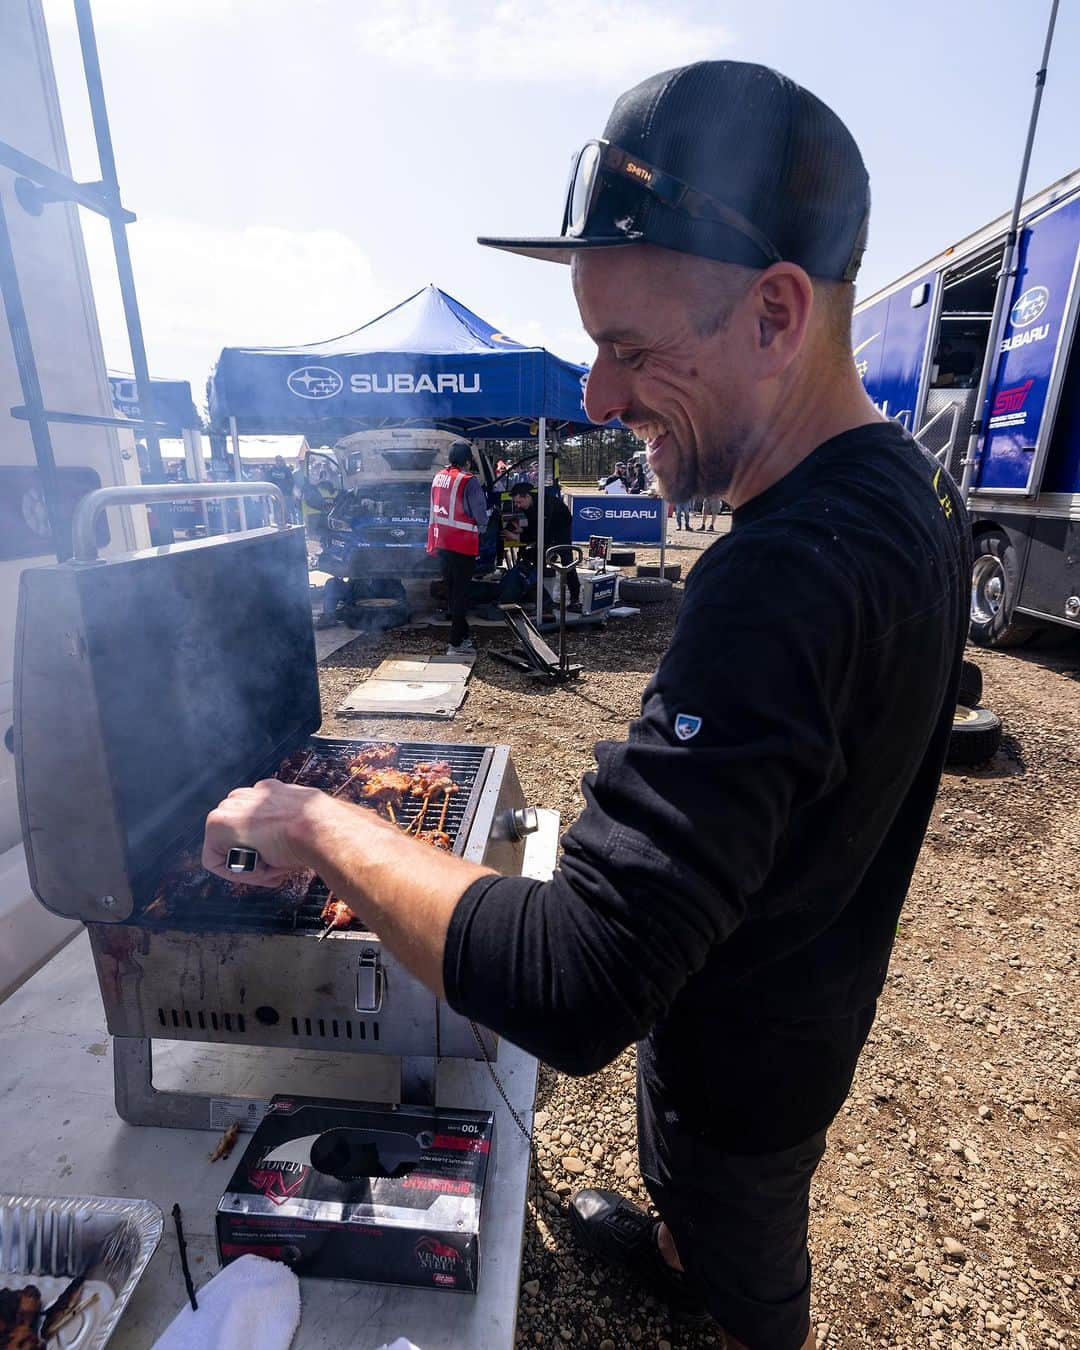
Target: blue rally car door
[1037,337]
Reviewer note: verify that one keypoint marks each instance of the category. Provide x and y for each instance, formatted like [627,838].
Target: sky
[297,168]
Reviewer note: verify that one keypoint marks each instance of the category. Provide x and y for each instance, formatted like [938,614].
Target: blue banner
[627,519]
[172,402]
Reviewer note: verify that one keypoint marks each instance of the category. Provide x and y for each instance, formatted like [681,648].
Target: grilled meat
[432,776]
[336,913]
[227,1142]
[371,758]
[385,786]
[19,1313]
[64,1306]
[437,839]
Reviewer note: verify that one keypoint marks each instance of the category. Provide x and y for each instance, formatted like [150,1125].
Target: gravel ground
[946,1211]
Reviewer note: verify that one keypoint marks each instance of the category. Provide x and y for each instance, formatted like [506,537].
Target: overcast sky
[299,167]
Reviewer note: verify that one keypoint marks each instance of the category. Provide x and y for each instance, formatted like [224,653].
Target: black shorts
[729,1168]
[739,1222]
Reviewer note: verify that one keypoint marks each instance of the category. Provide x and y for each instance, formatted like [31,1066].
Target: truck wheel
[976,735]
[970,692]
[673,571]
[995,586]
[643,590]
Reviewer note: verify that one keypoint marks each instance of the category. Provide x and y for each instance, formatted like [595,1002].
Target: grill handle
[92,505]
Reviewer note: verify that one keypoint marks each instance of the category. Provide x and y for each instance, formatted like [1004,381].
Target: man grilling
[729,895]
[459,516]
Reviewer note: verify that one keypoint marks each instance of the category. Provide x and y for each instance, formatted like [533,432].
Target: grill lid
[146,688]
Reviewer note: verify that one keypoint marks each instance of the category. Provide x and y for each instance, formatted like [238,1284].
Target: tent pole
[541,480]
[238,474]
[663,535]
[196,466]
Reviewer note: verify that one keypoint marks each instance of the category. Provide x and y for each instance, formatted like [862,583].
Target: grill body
[146,688]
[246,969]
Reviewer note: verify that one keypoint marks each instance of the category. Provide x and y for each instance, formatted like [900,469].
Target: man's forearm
[403,890]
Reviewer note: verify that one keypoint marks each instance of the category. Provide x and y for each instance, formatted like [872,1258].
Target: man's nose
[607,390]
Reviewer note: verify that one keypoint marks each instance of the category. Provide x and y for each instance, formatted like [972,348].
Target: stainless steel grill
[188,899]
[146,688]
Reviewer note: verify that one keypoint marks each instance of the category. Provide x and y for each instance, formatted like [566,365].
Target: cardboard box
[358,1191]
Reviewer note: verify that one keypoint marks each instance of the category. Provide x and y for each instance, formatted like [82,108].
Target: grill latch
[369,982]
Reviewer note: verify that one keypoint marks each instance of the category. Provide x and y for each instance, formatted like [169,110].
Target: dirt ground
[947,1209]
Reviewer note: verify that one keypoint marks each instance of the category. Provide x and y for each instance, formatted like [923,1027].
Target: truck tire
[673,571]
[622,557]
[976,735]
[995,586]
[970,692]
[643,590]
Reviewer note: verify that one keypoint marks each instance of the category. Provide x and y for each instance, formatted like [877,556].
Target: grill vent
[184,1017]
[337,1029]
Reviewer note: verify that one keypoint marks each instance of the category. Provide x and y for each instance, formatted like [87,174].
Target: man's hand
[404,890]
[262,817]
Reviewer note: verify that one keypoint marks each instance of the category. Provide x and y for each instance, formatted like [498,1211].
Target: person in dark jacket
[558,526]
[728,897]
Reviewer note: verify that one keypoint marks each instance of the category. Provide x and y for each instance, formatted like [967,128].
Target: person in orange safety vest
[459,515]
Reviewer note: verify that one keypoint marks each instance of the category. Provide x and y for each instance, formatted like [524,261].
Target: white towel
[253,1304]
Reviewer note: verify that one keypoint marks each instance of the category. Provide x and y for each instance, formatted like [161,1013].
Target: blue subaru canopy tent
[428,361]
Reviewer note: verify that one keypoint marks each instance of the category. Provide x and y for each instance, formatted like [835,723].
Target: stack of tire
[976,732]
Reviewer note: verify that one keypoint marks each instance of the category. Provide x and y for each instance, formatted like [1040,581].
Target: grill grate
[193,900]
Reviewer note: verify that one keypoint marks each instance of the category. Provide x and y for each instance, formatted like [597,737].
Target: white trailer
[56,294]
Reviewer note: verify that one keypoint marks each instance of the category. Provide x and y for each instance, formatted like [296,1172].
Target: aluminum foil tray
[48,1240]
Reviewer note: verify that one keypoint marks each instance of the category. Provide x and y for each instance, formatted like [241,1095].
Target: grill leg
[140,1103]
[418,1077]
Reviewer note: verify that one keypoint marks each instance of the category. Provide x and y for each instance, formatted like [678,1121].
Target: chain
[502,1091]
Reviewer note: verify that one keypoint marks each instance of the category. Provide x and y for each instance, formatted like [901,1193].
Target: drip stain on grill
[196,901]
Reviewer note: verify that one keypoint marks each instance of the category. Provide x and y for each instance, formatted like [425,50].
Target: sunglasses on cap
[599,163]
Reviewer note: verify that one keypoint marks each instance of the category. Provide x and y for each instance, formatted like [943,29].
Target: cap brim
[559,249]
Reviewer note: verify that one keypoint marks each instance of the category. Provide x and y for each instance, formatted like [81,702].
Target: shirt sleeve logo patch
[687,726]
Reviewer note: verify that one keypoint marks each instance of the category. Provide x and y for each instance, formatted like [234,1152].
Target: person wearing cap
[729,896]
[558,533]
[459,516]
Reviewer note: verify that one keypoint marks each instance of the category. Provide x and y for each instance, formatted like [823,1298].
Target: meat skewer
[335,914]
[373,757]
[445,807]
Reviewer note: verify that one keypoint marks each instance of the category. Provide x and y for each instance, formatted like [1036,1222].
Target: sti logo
[591,513]
[1030,305]
[315,382]
[1011,400]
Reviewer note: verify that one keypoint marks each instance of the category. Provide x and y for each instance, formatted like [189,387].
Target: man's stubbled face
[666,366]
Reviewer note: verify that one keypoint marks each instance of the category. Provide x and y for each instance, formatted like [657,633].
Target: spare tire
[622,557]
[976,735]
[673,571]
[644,590]
[971,685]
[375,613]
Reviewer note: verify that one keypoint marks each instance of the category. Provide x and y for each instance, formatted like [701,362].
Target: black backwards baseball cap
[459,453]
[723,159]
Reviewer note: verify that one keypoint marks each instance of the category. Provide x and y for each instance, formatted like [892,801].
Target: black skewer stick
[182,1244]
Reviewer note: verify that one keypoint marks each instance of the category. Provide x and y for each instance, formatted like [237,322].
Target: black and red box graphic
[360,1191]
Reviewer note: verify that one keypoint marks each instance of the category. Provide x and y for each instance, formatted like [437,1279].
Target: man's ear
[783,300]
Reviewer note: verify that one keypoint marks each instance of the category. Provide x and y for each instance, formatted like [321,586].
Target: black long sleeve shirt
[742,858]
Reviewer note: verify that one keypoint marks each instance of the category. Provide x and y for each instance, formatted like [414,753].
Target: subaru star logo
[315,382]
[591,513]
[1030,305]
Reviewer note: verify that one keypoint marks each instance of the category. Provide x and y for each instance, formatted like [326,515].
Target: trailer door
[1024,396]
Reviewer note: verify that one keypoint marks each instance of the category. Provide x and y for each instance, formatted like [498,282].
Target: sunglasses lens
[581,193]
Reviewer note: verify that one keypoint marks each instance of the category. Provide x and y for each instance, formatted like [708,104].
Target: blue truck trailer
[920,345]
